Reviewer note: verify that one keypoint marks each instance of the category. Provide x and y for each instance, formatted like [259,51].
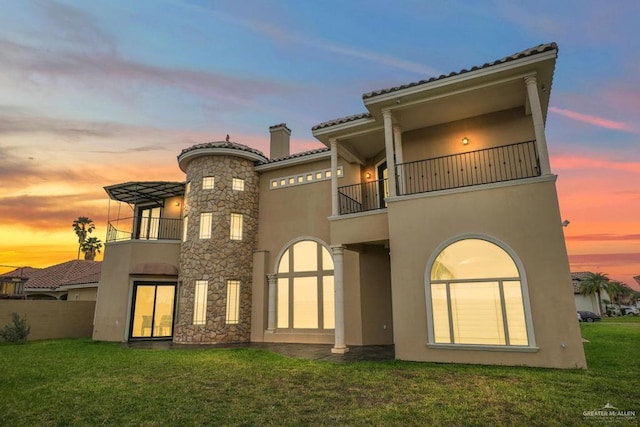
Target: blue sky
[100,92]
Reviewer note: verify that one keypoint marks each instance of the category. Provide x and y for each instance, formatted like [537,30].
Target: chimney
[280,135]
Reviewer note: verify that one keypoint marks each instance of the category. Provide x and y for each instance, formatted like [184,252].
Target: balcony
[144,228]
[487,166]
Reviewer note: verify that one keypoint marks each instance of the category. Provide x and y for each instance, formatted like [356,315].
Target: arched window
[475,296]
[305,296]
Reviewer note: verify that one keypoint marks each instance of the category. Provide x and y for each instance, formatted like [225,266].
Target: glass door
[152,315]
[149,222]
[383,184]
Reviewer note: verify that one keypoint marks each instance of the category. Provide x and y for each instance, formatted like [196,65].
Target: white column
[271,314]
[338,285]
[334,178]
[397,139]
[538,124]
[388,144]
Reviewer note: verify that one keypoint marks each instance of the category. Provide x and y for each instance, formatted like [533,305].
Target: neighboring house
[73,280]
[586,302]
[12,282]
[430,222]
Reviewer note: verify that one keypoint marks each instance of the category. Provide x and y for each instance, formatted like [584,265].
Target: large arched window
[475,296]
[305,296]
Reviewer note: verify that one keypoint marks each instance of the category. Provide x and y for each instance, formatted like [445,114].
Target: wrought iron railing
[144,228]
[490,165]
[362,197]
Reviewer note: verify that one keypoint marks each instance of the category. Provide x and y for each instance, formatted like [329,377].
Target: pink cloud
[596,121]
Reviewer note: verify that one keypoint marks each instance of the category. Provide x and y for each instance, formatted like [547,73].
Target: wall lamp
[177,203]
[367,175]
[465,141]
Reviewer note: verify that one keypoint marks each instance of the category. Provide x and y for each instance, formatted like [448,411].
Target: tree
[83,226]
[592,284]
[615,290]
[90,248]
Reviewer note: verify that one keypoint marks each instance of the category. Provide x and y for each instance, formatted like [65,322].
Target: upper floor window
[187,187]
[475,296]
[235,232]
[237,184]
[206,220]
[208,183]
[185,223]
[305,293]
[233,302]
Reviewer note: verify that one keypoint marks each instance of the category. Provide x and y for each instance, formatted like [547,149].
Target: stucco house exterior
[430,222]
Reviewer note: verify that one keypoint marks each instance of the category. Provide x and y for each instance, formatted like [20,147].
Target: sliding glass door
[152,310]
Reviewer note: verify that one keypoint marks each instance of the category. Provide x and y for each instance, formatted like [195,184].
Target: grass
[81,382]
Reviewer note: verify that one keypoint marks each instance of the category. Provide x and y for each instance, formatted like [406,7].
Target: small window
[200,302]
[233,302]
[208,183]
[206,220]
[236,227]
[274,184]
[237,184]
[185,223]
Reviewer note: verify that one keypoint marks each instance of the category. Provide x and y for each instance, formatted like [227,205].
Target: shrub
[18,332]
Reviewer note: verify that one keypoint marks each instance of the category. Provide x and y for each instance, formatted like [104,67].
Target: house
[586,302]
[75,280]
[430,222]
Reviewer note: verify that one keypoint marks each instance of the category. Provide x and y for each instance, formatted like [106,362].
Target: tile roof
[342,120]
[525,53]
[73,272]
[224,144]
[297,155]
[576,278]
[22,272]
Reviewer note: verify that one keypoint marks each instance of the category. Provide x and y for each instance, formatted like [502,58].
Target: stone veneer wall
[219,258]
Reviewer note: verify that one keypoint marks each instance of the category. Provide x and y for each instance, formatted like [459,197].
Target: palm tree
[90,248]
[593,283]
[82,226]
[615,290]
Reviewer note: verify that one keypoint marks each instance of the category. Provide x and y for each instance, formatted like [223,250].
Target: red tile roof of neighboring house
[22,272]
[68,273]
[576,278]
[637,279]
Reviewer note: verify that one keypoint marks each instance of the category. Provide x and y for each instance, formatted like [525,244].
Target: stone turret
[221,209]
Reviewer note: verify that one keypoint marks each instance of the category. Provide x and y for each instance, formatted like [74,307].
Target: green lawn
[80,382]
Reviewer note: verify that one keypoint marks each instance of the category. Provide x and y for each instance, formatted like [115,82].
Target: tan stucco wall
[114,293]
[377,315]
[82,294]
[490,130]
[525,217]
[370,226]
[51,319]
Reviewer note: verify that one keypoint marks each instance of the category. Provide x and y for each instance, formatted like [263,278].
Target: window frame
[237,184]
[208,182]
[290,275]
[431,342]
[236,226]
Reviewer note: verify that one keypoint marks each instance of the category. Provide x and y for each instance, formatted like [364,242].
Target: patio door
[149,223]
[152,310]
[383,184]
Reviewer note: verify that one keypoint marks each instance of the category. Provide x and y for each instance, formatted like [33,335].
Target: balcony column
[338,286]
[538,124]
[334,178]
[388,144]
[397,139]
[271,313]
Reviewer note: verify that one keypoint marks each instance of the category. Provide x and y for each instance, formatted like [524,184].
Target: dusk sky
[99,92]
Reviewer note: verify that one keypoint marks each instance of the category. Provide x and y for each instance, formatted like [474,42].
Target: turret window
[237,184]
[208,183]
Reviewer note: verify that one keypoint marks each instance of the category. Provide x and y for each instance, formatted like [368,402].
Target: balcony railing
[362,197]
[490,165]
[497,164]
[144,228]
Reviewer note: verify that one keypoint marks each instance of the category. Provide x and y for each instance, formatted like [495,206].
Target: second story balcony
[144,228]
[486,166]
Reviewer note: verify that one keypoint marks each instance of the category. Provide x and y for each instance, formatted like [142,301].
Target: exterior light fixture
[177,203]
[367,175]
[465,141]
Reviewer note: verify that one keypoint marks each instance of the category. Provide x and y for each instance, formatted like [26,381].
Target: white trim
[78,286]
[523,286]
[358,214]
[293,161]
[343,126]
[435,193]
[459,78]
[514,348]
[303,178]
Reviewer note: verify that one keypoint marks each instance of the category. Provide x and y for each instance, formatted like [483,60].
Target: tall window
[305,296]
[187,187]
[233,302]
[235,232]
[237,184]
[185,223]
[208,183]
[205,225]
[200,302]
[475,296]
